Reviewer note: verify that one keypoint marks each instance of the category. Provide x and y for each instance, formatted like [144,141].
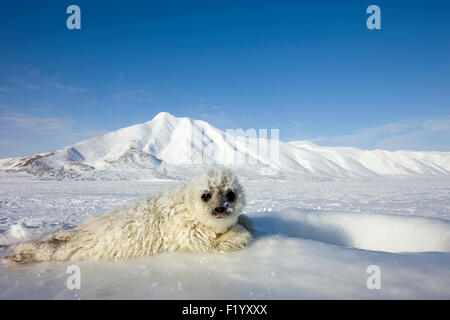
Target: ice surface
[312,240]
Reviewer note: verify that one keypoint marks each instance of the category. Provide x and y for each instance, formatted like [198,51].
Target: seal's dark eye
[230,196]
[206,197]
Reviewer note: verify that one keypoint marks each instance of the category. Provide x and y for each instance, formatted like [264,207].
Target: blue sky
[309,68]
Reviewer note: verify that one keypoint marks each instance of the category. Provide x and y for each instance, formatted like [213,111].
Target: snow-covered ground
[312,240]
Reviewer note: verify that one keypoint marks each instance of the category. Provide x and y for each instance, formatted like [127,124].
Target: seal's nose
[219,210]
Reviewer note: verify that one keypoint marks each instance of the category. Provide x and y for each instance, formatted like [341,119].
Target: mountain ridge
[176,148]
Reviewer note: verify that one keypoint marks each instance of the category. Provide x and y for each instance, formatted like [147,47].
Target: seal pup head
[216,198]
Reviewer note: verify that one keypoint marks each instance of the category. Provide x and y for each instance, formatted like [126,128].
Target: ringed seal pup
[202,215]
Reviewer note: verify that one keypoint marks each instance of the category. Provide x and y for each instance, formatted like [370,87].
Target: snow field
[312,240]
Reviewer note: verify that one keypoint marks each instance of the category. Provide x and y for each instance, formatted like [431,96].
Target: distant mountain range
[177,148]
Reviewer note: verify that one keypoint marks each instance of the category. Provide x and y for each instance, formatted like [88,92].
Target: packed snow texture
[171,147]
[312,240]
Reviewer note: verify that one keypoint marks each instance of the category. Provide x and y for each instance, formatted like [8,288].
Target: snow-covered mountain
[171,147]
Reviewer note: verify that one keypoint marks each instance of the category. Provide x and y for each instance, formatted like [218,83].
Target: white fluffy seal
[201,215]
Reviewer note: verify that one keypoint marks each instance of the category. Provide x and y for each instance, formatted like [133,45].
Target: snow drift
[368,231]
[167,146]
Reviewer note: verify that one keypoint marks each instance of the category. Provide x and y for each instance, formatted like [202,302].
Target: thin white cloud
[69,88]
[6,89]
[138,95]
[33,87]
[27,77]
[437,125]
[23,134]
[413,134]
[33,123]
[215,114]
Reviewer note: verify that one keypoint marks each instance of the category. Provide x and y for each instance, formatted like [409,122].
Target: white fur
[174,220]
